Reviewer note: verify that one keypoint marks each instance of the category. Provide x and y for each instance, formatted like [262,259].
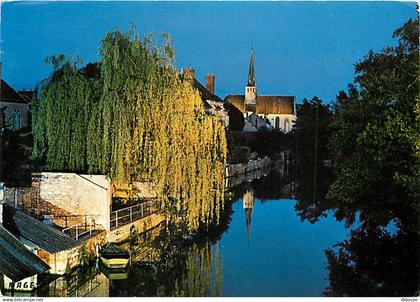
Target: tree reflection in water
[180,266]
[375,260]
[374,263]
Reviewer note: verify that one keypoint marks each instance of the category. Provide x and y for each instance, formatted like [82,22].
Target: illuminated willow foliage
[203,275]
[135,121]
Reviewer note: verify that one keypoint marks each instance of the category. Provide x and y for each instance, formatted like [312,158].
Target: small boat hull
[114,256]
[115,273]
[115,262]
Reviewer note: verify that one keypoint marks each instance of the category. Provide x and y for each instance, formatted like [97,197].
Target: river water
[278,236]
[281,256]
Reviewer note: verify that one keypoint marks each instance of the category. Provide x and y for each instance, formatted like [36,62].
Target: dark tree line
[371,134]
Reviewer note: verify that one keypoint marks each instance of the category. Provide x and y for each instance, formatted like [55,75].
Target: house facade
[279,112]
[14,108]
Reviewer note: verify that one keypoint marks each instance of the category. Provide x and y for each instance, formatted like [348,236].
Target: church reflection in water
[248,205]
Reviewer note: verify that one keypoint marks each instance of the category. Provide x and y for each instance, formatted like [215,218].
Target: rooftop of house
[8,94]
[27,94]
[257,121]
[205,94]
[46,237]
[265,104]
[16,261]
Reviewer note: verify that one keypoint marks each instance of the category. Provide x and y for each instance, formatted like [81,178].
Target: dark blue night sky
[301,48]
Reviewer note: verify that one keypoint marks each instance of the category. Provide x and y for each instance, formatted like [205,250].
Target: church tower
[251,88]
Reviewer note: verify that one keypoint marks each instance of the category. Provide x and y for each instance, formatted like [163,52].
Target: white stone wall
[291,118]
[79,194]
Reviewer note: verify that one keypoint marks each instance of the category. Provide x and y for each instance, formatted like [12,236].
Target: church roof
[237,100]
[275,104]
[265,104]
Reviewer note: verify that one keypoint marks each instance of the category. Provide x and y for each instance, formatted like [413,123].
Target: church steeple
[251,88]
[251,73]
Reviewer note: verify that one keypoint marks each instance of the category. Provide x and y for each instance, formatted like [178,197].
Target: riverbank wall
[244,168]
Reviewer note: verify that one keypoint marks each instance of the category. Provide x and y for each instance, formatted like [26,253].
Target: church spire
[251,74]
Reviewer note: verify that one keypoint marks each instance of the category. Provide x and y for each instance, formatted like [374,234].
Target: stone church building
[272,111]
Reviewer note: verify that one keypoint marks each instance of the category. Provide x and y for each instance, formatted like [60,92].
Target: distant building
[14,107]
[278,112]
[212,103]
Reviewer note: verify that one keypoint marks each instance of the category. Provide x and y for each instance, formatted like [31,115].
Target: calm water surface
[266,245]
[282,256]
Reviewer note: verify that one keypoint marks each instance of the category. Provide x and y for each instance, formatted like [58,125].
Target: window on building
[277,122]
[16,119]
[286,125]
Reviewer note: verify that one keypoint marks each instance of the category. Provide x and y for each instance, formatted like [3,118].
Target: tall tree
[131,117]
[375,141]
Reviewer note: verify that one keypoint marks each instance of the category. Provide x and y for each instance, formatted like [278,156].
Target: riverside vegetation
[130,116]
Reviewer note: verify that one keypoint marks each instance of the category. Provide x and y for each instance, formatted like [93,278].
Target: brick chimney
[188,75]
[210,79]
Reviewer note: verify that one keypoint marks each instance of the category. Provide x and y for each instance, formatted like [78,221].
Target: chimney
[210,78]
[188,75]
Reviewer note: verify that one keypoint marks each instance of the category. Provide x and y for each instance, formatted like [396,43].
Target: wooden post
[142,211]
[116,219]
[131,214]
[77,232]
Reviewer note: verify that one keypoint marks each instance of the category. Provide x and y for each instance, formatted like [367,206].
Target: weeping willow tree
[135,121]
[61,116]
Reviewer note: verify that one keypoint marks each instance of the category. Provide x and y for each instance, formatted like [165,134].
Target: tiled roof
[8,94]
[265,104]
[275,104]
[46,237]
[16,261]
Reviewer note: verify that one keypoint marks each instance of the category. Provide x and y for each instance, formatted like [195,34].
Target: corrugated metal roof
[46,237]
[16,261]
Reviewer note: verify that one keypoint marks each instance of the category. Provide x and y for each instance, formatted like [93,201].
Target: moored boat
[115,273]
[114,256]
